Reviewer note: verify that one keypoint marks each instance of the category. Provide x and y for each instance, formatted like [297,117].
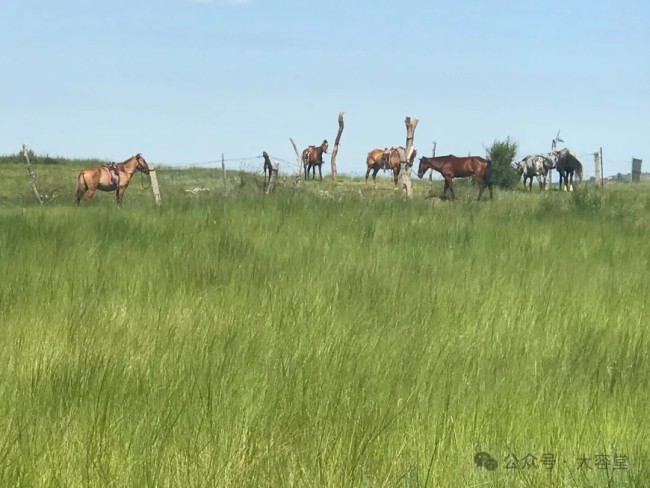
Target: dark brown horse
[312,157]
[567,164]
[268,167]
[451,167]
[385,159]
[109,177]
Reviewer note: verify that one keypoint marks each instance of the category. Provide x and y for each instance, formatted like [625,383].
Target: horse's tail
[488,174]
[82,186]
[579,170]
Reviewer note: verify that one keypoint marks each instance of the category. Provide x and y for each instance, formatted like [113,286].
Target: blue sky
[183,81]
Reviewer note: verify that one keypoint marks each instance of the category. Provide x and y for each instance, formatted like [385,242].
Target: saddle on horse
[113,174]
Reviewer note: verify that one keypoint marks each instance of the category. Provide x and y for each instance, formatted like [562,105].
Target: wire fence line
[216,164]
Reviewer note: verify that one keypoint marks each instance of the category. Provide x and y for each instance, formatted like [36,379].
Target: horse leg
[320,175]
[374,177]
[571,181]
[451,189]
[481,187]
[89,195]
[119,194]
[395,178]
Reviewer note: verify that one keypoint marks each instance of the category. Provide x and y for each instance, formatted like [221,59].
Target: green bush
[502,154]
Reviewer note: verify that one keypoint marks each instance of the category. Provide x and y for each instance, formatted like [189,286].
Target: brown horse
[385,159]
[312,157]
[113,177]
[451,167]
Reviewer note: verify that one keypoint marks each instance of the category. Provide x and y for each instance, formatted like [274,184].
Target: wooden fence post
[636,169]
[336,145]
[549,180]
[405,166]
[155,189]
[223,172]
[434,155]
[299,163]
[32,177]
[273,178]
[597,168]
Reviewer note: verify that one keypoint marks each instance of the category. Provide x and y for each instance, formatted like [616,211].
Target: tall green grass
[327,339]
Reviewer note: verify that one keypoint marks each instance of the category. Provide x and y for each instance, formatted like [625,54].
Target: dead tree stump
[405,164]
[336,145]
[273,178]
[32,177]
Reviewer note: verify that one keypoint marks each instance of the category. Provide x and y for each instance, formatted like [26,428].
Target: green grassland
[327,335]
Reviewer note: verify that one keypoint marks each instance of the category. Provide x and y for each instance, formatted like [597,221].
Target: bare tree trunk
[597,168]
[155,189]
[299,162]
[273,178]
[336,145]
[32,177]
[405,166]
[434,155]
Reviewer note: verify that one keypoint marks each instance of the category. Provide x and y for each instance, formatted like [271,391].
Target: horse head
[519,167]
[423,167]
[324,146]
[142,164]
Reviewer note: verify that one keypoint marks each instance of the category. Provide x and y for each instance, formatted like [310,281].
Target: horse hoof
[571,188]
[564,188]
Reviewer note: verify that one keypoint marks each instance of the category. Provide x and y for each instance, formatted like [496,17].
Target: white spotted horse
[535,166]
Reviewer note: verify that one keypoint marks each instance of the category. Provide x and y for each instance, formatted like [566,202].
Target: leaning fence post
[32,177]
[299,163]
[273,178]
[155,189]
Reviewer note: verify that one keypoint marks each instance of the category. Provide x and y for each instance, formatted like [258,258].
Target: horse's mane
[130,158]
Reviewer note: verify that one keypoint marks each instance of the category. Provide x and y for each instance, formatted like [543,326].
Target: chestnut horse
[312,157]
[385,159]
[451,167]
[114,177]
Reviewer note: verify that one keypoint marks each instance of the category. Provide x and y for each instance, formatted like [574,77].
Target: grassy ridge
[333,339]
